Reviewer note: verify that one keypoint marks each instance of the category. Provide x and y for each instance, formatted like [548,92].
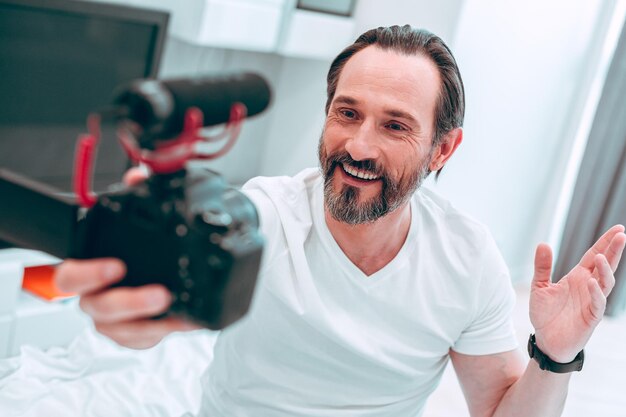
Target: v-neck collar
[321,228]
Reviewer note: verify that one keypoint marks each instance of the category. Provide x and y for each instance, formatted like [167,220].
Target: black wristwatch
[548,364]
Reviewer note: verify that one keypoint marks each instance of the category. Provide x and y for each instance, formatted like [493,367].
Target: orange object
[39,280]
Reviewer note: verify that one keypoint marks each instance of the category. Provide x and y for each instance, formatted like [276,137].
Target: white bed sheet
[94,377]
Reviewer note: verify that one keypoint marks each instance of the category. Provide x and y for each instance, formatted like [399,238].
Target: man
[370,284]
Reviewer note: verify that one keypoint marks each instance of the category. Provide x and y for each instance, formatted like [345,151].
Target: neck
[371,246]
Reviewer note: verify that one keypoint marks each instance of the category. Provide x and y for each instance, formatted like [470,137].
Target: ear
[446,148]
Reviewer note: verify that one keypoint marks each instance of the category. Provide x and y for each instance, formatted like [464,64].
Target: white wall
[527,68]
[295,128]
[439,17]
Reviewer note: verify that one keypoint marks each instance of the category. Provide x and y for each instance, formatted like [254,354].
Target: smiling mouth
[359,173]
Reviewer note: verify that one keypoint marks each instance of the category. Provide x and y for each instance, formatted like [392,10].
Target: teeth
[364,175]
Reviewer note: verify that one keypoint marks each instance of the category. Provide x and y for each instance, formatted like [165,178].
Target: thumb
[543,265]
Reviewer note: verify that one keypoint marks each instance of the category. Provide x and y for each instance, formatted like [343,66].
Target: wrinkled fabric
[94,377]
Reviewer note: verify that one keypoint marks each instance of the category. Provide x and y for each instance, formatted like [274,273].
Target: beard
[344,205]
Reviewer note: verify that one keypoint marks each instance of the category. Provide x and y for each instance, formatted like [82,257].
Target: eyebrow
[390,112]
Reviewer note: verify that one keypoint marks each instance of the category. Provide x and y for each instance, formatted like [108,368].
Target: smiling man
[377,147]
[370,284]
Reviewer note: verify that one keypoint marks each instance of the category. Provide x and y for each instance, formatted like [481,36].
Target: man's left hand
[565,314]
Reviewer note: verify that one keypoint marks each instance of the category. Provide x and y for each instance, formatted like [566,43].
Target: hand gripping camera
[183,227]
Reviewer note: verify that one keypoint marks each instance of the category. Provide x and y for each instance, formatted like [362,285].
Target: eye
[396,127]
[347,113]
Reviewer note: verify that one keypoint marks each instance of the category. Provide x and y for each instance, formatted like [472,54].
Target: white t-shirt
[324,339]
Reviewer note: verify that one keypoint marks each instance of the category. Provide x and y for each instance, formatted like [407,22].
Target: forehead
[388,78]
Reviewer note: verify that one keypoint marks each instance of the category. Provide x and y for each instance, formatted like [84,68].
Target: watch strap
[547,364]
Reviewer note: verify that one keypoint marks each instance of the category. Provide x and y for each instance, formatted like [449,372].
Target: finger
[601,245]
[83,277]
[598,300]
[126,303]
[134,176]
[616,248]
[143,334]
[605,275]
[543,265]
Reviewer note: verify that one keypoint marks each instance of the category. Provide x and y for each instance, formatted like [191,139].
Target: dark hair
[450,108]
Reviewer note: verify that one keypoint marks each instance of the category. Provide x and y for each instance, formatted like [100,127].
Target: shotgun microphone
[159,106]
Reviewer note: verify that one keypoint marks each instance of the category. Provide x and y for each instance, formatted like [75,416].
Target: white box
[45,324]
[316,35]
[252,25]
[11,273]
[6,335]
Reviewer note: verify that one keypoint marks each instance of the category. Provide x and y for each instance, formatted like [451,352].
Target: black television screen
[60,60]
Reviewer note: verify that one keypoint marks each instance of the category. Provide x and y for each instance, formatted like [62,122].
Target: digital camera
[184,228]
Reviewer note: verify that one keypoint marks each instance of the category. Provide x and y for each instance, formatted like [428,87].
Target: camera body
[188,231]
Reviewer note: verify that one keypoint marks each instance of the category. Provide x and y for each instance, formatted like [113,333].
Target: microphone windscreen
[215,95]
[159,106]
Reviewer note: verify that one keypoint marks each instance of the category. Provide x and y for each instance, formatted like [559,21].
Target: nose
[363,144]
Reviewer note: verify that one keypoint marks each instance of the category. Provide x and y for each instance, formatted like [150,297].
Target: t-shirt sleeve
[264,207]
[490,328]
[269,222]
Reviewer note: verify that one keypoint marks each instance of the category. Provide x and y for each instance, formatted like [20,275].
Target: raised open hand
[564,314]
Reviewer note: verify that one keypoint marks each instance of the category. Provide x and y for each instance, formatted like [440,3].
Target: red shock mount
[167,157]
